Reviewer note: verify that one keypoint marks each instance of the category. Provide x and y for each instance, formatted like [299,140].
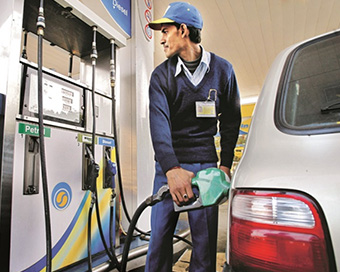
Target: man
[191,94]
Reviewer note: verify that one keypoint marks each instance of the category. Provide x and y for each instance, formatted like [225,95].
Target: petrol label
[33,130]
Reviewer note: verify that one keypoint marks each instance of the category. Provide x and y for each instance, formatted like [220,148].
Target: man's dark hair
[194,33]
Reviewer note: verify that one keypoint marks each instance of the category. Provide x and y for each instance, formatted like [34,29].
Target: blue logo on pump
[61,196]
[120,11]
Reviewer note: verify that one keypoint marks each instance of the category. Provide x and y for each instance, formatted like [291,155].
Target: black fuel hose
[150,201]
[129,235]
[40,32]
[114,124]
[94,56]
[111,226]
[94,194]
[112,257]
[89,258]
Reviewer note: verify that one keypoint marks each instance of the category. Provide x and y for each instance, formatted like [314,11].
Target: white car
[284,205]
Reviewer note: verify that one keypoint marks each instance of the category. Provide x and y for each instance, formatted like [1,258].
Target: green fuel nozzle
[213,186]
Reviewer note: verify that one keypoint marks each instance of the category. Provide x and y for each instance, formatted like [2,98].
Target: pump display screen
[61,99]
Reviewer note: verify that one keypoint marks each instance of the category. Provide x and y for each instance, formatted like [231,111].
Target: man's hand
[179,181]
[226,170]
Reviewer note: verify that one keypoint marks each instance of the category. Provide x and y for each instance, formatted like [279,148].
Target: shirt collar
[205,60]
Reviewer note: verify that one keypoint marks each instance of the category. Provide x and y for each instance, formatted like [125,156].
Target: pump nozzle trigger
[195,204]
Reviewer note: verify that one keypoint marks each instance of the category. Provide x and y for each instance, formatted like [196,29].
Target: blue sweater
[178,136]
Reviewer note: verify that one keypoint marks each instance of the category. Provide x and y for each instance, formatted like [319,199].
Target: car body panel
[274,160]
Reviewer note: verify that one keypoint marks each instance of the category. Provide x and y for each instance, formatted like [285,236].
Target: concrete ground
[222,227]
[183,262]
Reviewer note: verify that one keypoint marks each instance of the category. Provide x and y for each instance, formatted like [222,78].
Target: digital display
[60,99]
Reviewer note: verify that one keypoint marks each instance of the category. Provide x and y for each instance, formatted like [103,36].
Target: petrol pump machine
[79,142]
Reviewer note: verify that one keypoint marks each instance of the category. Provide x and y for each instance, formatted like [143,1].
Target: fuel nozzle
[92,171]
[110,172]
[213,187]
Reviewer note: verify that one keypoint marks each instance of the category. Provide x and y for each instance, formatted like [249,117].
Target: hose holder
[92,171]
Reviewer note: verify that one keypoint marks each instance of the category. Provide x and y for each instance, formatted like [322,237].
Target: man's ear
[184,30]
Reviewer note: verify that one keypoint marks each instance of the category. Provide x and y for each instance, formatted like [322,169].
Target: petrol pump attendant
[191,94]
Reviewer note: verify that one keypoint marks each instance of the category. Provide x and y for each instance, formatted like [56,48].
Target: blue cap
[181,13]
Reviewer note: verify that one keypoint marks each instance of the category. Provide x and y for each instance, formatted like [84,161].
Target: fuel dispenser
[62,159]
[72,122]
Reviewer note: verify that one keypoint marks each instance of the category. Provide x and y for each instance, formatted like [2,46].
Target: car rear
[283,206]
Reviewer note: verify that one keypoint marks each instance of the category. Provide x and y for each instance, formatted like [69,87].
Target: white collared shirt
[200,71]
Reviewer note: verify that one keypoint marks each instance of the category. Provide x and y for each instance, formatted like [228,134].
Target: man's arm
[230,121]
[160,124]
[179,179]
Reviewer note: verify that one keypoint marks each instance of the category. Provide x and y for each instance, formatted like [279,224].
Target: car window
[309,102]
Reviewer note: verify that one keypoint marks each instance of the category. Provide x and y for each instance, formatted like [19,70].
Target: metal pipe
[70,67]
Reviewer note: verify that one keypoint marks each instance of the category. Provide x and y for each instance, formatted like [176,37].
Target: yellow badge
[207,108]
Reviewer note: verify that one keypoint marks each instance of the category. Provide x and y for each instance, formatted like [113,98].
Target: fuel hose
[112,257]
[40,33]
[150,201]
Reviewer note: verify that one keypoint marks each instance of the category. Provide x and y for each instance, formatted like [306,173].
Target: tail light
[275,231]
